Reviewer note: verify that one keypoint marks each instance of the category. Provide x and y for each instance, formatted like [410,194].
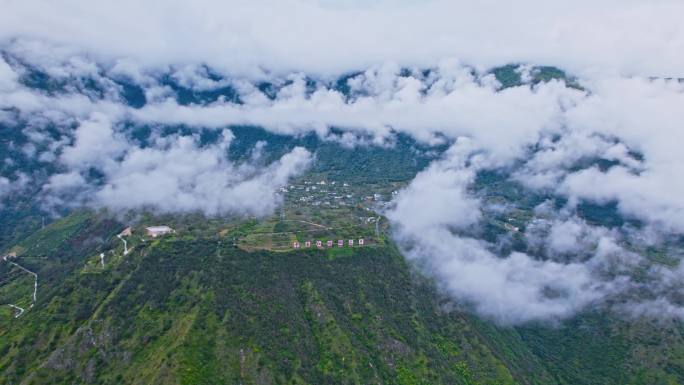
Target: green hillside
[190,310]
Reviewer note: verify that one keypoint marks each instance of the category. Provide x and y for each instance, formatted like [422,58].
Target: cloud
[645,116]
[8,78]
[95,145]
[10,187]
[430,216]
[175,174]
[568,267]
[318,37]
[450,102]
[5,186]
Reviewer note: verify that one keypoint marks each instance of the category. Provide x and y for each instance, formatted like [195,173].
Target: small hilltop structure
[126,232]
[158,231]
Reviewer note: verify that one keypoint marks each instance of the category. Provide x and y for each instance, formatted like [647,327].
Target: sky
[627,56]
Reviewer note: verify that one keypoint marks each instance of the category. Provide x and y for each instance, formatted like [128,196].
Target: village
[336,194]
[313,197]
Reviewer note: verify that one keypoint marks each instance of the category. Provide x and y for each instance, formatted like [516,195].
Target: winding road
[124,242]
[35,286]
[21,310]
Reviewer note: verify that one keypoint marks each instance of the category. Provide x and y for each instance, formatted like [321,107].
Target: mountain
[226,299]
[193,308]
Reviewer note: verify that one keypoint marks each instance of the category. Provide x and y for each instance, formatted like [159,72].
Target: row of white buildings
[329,243]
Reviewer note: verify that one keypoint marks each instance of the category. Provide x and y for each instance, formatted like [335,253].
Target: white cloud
[8,78]
[565,237]
[95,145]
[571,265]
[430,216]
[314,36]
[5,186]
[451,103]
[9,187]
[646,116]
[176,174]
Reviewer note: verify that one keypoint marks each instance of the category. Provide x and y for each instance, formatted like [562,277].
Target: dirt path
[307,222]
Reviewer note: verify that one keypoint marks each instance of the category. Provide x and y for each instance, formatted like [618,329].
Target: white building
[156,231]
[126,232]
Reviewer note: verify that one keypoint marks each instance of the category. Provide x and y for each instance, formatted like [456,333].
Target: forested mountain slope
[191,310]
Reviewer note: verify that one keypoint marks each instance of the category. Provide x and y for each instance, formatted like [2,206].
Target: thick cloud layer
[332,37]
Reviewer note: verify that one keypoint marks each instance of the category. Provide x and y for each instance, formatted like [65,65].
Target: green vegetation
[186,309]
[510,76]
[177,311]
[226,301]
